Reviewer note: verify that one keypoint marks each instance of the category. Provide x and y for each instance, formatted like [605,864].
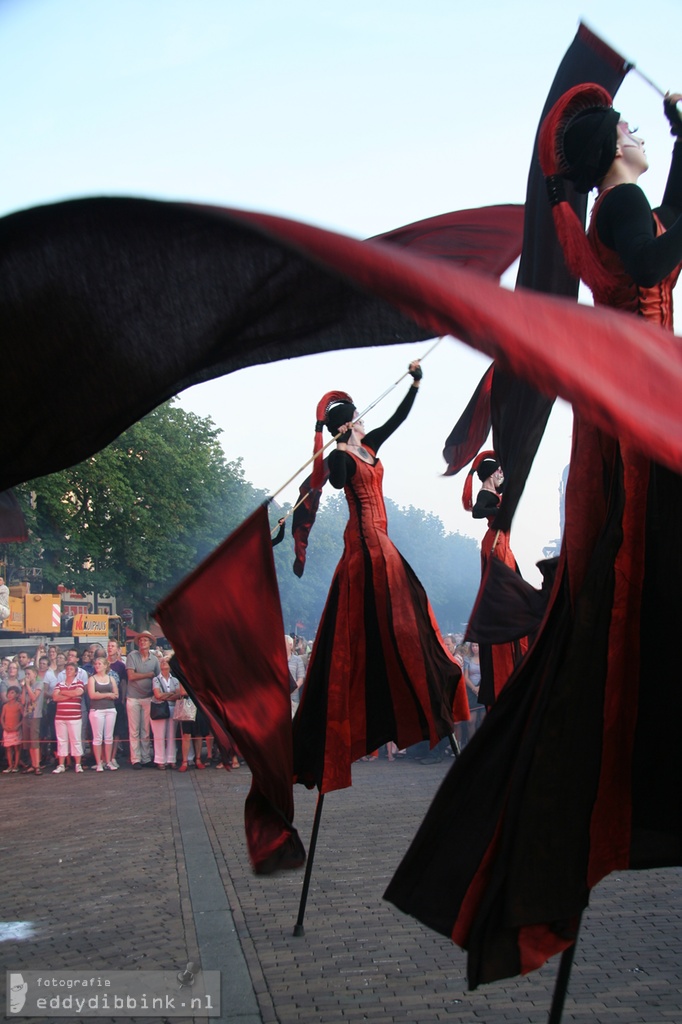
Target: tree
[133,519]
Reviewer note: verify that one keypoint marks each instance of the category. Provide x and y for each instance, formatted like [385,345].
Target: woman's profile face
[359,429]
[632,148]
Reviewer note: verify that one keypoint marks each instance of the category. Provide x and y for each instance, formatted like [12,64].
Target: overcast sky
[356,115]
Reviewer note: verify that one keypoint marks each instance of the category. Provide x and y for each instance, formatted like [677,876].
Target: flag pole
[631,65]
[298,927]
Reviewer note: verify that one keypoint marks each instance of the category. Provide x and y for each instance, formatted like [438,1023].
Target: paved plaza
[148,871]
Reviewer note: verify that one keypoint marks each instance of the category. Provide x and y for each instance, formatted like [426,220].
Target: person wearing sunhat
[142,667]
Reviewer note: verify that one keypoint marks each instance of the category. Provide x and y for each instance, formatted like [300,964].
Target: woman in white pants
[103,692]
[165,687]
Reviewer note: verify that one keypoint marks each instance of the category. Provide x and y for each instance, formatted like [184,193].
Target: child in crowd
[10,718]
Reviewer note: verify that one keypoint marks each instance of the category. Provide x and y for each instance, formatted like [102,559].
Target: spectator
[50,707]
[166,690]
[117,668]
[24,662]
[13,678]
[10,719]
[68,723]
[196,730]
[142,667]
[82,677]
[296,673]
[33,699]
[4,600]
[472,679]
[43,668]
[102,691]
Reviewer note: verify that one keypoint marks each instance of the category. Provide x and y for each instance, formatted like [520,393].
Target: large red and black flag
[519,412]
[225,623]
[166,295]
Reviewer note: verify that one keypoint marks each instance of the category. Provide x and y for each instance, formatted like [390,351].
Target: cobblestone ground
[94,866]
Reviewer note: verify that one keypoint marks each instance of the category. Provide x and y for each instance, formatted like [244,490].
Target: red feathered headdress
[323,407]
[467,493]
[588,112]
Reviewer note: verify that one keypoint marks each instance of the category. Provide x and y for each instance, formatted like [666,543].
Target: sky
[354,115]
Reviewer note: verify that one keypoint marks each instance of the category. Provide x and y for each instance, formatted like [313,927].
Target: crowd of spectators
[99,709]
[102,708]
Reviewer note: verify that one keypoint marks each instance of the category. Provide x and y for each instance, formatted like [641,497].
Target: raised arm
[376,437]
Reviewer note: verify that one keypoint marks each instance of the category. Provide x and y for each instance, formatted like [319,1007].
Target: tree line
[134,519]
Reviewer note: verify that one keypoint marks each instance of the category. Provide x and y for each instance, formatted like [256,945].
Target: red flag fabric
[225,290]
[487,240]
[304,517]
[469,433]
[225,623]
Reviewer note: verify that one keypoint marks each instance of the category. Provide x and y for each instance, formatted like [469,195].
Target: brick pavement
[123,870]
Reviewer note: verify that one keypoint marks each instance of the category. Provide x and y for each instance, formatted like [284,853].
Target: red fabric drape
[469,433]
[225,624]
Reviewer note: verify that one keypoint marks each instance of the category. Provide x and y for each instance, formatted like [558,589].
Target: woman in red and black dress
[581,770]
[379,670]
[498,661]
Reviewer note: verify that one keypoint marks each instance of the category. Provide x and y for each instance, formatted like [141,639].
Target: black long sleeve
[487,504]
[625,224]
[342,465]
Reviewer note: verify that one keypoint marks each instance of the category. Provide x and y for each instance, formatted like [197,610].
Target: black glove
[416,374]
[674,117]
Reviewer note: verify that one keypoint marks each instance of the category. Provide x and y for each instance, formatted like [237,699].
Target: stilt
[454,745]
[561,984]
[298,927]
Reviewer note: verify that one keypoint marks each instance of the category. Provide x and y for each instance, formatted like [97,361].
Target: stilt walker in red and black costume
[498,661]
[582,770]
[379,670]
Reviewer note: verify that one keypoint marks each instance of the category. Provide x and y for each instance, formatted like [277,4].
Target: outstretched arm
[376,437]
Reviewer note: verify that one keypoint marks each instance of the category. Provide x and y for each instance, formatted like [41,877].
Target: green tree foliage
[135,518]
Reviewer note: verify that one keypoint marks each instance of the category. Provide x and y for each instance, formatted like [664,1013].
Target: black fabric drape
[519,413]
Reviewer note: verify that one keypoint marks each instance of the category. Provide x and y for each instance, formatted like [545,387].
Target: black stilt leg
[298,927]
[561,984]
[455,745]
